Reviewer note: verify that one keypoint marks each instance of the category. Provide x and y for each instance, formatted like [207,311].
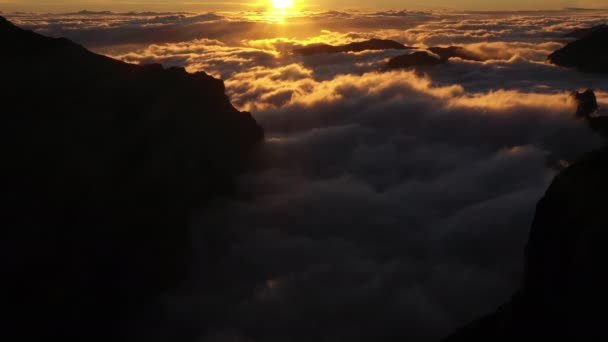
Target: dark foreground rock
[589,54]
[372,44]
[563,295]
[102,163]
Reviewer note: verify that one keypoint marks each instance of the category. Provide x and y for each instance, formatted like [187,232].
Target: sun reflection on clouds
[274,11]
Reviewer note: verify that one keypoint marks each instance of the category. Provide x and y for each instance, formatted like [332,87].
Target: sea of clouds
[383,205]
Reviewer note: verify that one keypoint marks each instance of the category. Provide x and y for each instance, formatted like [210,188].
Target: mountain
[424,58]
[372,44]
[454,52]
[418,58]
[103,163]
[582,33]
[589,54]
[563,293]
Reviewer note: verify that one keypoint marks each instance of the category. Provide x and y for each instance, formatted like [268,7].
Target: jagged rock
[418,58]
[102,163]
[372,44]
[586,107]
[586,103]
[589,54]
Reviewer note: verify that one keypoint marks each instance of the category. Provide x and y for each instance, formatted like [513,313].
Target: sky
[237,5]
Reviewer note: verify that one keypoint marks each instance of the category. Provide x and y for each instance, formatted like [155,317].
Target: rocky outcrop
[589,54]
[372,44]
[586,103]
[564,290]
[587,108]
[582,33]
[102,163]
[563,295]
[416,59]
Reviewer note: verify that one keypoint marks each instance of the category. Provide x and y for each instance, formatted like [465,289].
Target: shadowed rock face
[563,294]
[372,44]
[564,290]
[586,103]
[589,54]
[587,107]
[418,58]
[582,33]
[103,162]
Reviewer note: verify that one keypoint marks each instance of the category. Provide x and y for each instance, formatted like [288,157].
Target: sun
[282,4]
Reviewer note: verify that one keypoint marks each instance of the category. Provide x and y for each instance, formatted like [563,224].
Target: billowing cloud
[387,207]
[383,205]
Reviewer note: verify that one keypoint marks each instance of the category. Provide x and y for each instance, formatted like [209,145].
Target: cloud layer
[383,205]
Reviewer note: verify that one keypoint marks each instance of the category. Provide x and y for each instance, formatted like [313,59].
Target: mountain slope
[582,33]
[588,54]
[103,162]
[563,294]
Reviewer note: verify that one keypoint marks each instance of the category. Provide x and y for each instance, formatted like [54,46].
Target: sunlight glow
[282,4]
[279,10]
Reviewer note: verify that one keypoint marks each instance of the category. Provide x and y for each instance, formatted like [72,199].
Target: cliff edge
[102,163]
[589,53]
[563,294]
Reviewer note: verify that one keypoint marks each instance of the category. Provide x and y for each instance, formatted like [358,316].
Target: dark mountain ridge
[589,54]
[371,44]
[563,293]
[415,59]
[582,33]
[103,163]
[424,58]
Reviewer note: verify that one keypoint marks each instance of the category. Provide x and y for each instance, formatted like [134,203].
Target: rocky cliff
[583,32]
[563,294]
[102,163]
[589,54]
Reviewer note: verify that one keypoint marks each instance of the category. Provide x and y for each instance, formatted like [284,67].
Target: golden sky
[231,5]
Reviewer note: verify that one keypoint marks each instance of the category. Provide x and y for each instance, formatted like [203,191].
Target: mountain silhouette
[372,44]
[563,294]
[424,58]
[103,162]
[589,54]
[582,33]
[587,108]
[418,58]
